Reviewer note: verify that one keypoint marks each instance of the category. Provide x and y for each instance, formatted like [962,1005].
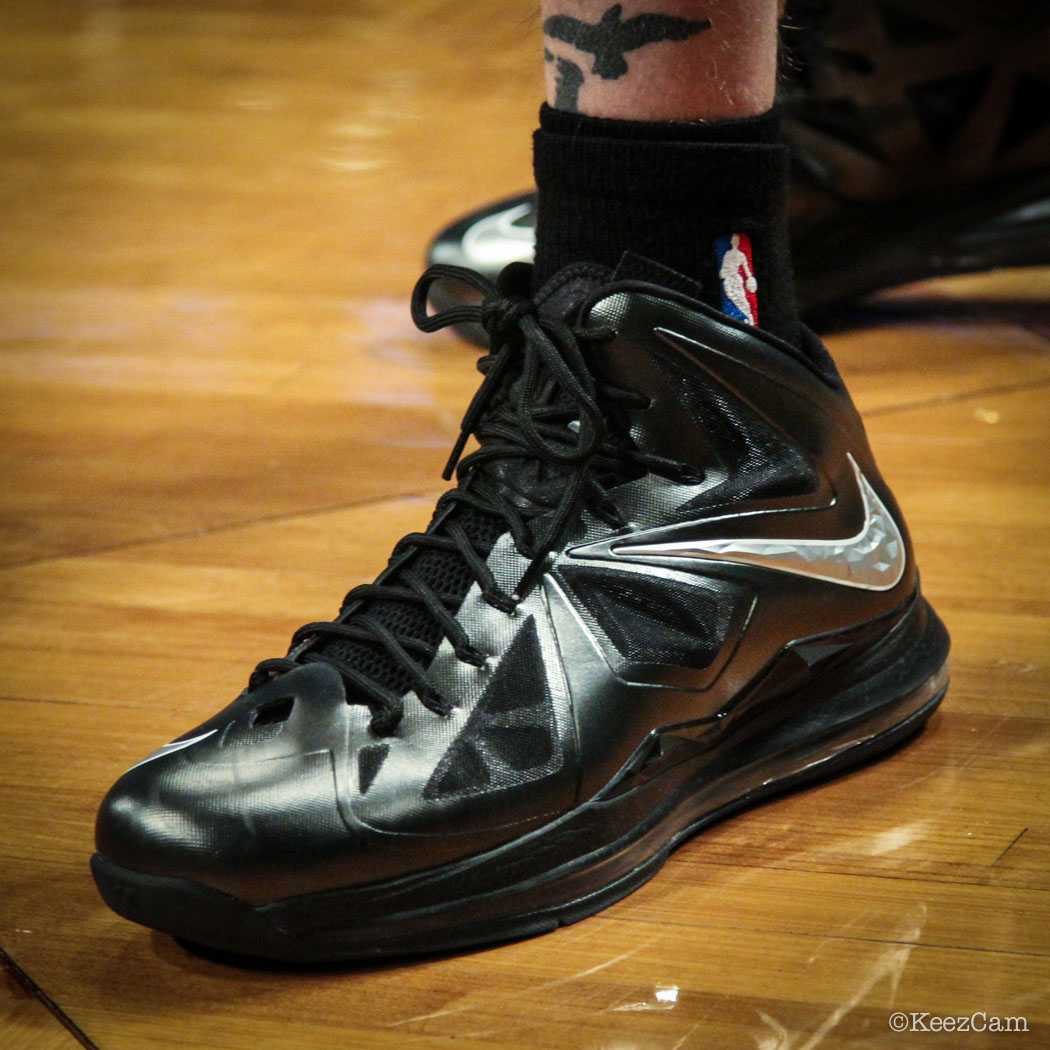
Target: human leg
[666,147]
[920,147]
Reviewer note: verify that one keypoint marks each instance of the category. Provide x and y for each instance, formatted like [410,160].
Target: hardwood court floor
[217,418]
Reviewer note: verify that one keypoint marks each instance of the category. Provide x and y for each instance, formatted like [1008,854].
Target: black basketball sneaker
[920,140]
[669,583]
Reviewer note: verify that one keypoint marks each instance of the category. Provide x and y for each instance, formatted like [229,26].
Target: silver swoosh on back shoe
[873,559]
[496,241]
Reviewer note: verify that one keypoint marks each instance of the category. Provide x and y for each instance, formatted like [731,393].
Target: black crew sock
[677,193]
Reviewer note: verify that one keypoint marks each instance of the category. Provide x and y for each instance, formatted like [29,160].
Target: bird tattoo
[611,38]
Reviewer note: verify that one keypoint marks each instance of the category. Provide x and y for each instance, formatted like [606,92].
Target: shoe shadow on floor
[193,954]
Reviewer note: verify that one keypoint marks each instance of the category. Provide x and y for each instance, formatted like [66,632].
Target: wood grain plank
[26,1023]
[216,417]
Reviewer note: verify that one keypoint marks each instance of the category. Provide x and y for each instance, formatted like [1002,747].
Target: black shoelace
[540,418]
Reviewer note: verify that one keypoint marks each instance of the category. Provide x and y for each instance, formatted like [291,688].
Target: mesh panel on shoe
[369,761]
[442,571]
[520,747]
[509,738]
[657,621]
[759,463]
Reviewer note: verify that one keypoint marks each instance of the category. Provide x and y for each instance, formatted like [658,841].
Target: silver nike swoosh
[872,560]
[170,749]
[495,241]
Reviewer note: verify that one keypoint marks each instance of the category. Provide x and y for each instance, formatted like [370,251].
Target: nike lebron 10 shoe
[669,583]
[920,140]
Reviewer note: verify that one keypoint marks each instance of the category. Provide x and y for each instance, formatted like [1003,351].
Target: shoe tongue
[564,294]
[444,572]
[634,267]
[534,485]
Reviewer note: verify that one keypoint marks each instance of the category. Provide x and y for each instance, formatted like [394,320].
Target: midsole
[601,841]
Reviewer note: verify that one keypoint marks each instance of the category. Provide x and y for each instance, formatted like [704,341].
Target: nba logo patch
[737,276]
